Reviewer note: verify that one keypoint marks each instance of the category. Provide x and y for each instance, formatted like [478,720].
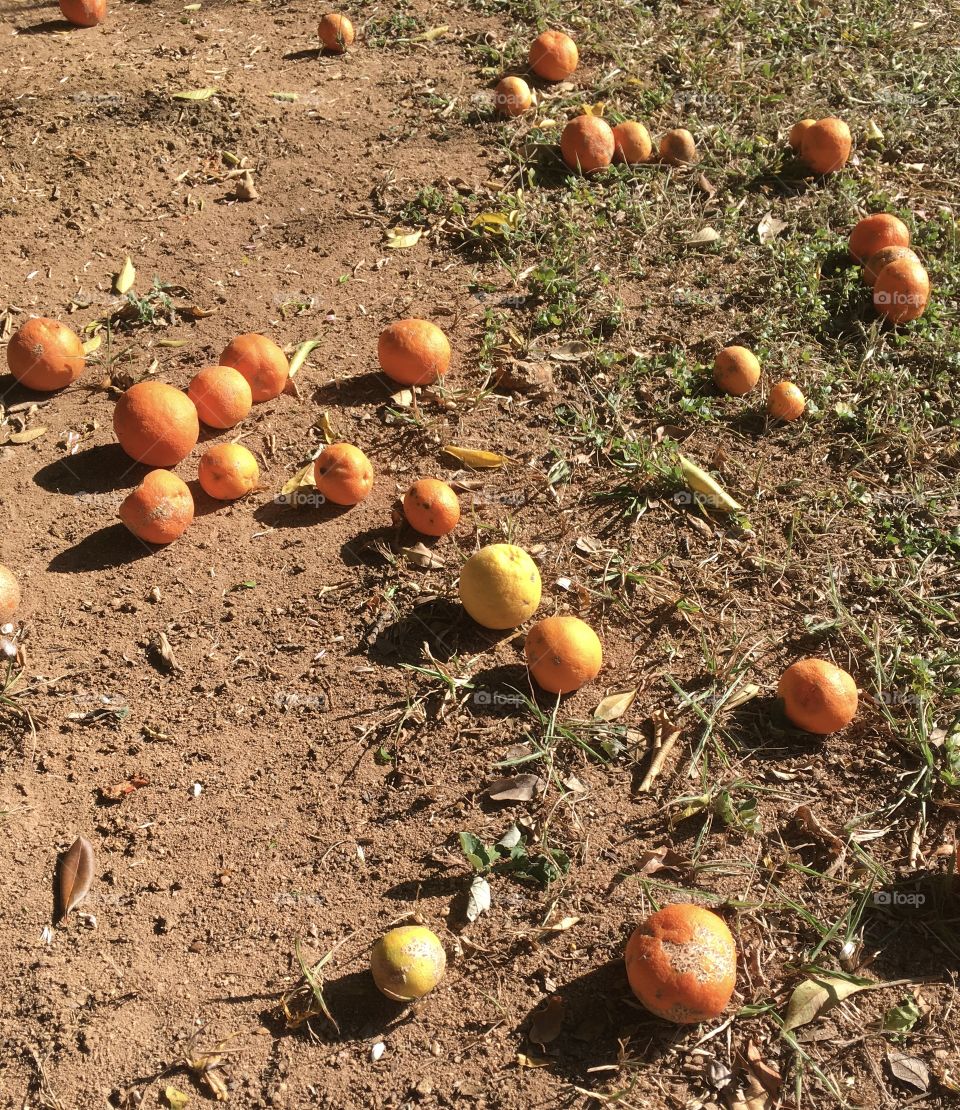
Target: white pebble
[377,1050]
[196,790]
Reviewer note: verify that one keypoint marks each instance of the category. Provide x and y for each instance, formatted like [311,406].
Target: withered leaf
[121,789]
[479,460]
[300,356]
[421,556]
[815,995]
[514,788]
[245,188]
[398,239]
[703,236]
[164,650]
[661,859]
[909,1069]
[123,280]
[573,351]
[74,876]
[614,705]
[478,898]
[548,1020]
[303,479]
[27,436]
[805,818]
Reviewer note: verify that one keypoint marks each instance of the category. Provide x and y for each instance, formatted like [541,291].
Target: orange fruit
[500,586]
[407,962]
[736,370]
[902,290]
[45,355]
[587,144]
[553,55]
[9,594]
[336,32]
[826,145]
[875,232]
[222,396]
[431,507]
[228,471]
[413,352]
[785,401]
[876,262]
[799,129]
[343,474]
[682,964]
[160,509]
[84,13]
[563,653]
[156,424]
[677,148]
[512,96]
[818,696]
[261,362]
[631,143]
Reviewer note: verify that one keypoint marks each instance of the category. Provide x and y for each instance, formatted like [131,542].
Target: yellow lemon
[500,586]
[407,962]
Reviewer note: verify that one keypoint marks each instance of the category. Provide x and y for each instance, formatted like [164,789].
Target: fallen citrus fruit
[826,145]
[343,474]
[84,13]
[563,653]
[631,143]
[587,144]
[818,696]
[261,362]
[45,355]
[799,129]
[160,509]
[553,55]
[227,471]
[336,32]
[9,594]
[875,232]
[677,148]
[785,401]
[875,263]
[431,507]
[156,423]
[512,96]
[407,962]
[902,290]
[222,396]
[500,586]
[413,352]
[736,370]
[682,964]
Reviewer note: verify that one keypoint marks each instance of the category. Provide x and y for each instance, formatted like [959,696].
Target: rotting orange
[84,13]
[875,232]
[336,32]
[682,964]
[736,370]
[785,401]
[876,262]
[9,594]
[261,362]
[45,355]
[512,96]
[677,148]
[818,696]
[902,290]
[160,509]
[222,395]
[227,471]
[413,352]
[563,653]
[826,145]
[631,143]
[799,129]
[156,423]
[343,474]
[553,55]
[431,507]
[407,962]
[587,144]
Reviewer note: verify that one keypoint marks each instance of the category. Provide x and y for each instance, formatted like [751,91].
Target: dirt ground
[306,786]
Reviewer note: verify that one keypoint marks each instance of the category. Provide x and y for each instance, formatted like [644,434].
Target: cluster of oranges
[681,962]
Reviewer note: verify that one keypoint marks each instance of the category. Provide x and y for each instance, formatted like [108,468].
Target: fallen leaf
[770,227]
[326,428]
[706,185]
[573,351]
[166,652]
[514,788]
[124,279]
[561,926]
[478,898]
[497,223]
[703,236]
[246,190]
[805,818]
[815,995]
[526,377]
[700,482]
[525,1061]
[403,398]
[902,1018]
[300,356]
[197,312]
[398,239]
[479,460]
[421,556]
[172,342]
[195,94]
[548,1021]
[176,1100]
[303,479]
[122,789]
[285,95]
[91,345]
[27,436]
[613,706]
[75,874]
[660,859]
[909,1069]
[433,33]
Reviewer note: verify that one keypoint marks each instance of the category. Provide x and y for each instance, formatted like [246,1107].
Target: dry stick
[662,748]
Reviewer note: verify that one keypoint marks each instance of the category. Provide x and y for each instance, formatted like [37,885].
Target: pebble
[377,1050]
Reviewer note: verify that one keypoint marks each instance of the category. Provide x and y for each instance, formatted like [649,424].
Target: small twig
[662,747]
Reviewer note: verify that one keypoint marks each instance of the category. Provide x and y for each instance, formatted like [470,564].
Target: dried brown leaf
[514,788]
[909,1069]
[74,876]
[613,706]
[548,1020]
